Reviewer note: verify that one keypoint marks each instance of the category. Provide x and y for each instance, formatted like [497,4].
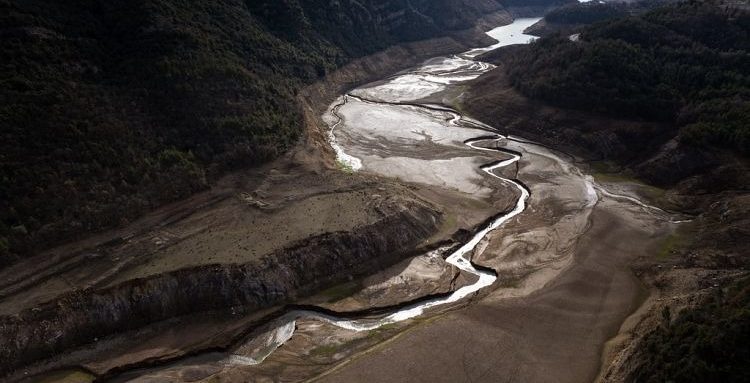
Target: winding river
[401,92]
[399,128]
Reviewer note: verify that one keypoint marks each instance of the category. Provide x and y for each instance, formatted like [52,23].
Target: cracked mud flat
[562,286]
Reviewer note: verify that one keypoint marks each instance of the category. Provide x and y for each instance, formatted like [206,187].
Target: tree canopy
[109,109]
[687,65]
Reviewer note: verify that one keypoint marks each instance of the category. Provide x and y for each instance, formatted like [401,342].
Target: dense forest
[535,3]
[707,343]
[686,65]
[596,11]
[586,13]
[109,109]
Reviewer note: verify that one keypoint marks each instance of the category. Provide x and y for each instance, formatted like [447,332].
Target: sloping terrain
[655,103]
[684,65]
[112,109]
[242,237]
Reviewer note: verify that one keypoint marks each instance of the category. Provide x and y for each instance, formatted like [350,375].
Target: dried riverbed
[384,128]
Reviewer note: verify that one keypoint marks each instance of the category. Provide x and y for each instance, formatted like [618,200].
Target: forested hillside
[662,96]
[687,65]
[586,13]
[707,343]
[109,109]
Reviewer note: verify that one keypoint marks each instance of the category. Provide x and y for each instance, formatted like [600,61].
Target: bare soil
[554,334]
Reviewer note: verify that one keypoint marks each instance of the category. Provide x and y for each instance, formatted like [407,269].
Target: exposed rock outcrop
[79,318]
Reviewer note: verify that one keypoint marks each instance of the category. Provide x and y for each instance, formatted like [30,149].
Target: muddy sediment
[316,99]
[564,283]
[80,318]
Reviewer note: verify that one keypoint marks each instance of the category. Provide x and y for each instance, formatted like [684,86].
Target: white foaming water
[432,77]
[457,259]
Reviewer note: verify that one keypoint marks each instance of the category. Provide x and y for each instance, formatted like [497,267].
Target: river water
[384,129]
[388,129]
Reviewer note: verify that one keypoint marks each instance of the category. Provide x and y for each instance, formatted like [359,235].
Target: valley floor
[564,308]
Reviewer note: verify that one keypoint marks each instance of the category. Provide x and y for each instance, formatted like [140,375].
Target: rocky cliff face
[321,261]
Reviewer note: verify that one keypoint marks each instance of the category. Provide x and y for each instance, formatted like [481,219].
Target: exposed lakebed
[388,132]
[385,128]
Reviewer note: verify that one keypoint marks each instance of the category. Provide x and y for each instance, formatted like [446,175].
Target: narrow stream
[285,330]
[395,128]
[432,77]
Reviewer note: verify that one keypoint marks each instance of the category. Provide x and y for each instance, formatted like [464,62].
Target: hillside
[668,90]
[656,102]
[112,109]
[684,65]
[569,18]
[706,343]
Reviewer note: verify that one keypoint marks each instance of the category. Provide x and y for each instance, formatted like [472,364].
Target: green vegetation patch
[686,66]
[616,178]
[450,222]
[112,108]
[326,350]
[708,343]
[341,291]
[67,376]
[344,167]
[511,281]
[670,245]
